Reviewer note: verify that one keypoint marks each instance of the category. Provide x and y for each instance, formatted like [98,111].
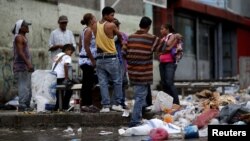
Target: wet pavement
[18,126]
[19,120]
[59,134]
[55,134]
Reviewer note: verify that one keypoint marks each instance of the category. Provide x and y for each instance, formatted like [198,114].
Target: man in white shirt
[60,37]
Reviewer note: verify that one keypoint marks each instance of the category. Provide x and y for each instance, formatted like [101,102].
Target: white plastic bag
[43,85]
[143,129]
[163,101]
[148,125]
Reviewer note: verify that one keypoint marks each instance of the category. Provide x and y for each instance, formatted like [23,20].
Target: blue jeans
[124,85]
[167,73]
[23,79]
[109,69]
[140,93]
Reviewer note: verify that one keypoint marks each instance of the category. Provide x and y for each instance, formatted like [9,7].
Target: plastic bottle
[77,103]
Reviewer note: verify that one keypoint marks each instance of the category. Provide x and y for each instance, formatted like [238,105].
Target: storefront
[211,39]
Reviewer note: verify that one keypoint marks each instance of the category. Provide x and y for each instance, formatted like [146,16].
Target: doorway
[205,58]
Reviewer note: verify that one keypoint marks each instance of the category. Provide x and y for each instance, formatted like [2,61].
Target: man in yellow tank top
[107,63]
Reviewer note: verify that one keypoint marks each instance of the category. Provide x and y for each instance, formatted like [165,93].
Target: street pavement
[19,120]
[20,126]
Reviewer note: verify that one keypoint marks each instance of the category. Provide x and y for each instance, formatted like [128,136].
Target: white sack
[163,101]
[43,84]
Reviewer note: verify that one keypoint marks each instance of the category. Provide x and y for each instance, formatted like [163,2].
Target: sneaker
[117,108]
[104,110]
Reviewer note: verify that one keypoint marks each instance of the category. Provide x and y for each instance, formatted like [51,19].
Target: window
[185,26]
[204,44]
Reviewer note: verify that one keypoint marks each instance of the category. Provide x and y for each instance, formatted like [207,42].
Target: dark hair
[67,47]
[107,10]
[145,22]
[86,19]
[169,27]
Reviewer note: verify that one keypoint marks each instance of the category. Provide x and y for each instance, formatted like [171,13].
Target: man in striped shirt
[139,53]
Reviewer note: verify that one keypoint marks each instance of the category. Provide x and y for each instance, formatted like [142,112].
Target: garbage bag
[242,114]
[43,85]
[162,102]
[227,112]
[158,134]
[147,126]
[204,118]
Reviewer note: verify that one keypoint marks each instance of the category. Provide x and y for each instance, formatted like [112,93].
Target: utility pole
[102,5]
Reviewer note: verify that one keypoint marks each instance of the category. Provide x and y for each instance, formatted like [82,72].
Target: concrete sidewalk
[19,120]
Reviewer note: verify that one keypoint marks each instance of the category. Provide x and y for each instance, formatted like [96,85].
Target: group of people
[109,52]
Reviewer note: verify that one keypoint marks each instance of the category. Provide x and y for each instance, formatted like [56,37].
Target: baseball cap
[62,19]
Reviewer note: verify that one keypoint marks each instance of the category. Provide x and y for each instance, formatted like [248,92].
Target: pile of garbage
[191,118]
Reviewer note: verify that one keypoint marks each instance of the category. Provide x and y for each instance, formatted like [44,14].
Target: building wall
[240,7]
[244,67]
[32,11]
[223,42]
[43,14]
[243,37]
[128,7]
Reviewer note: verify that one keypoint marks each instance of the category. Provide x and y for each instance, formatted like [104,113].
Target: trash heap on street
[191,118]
